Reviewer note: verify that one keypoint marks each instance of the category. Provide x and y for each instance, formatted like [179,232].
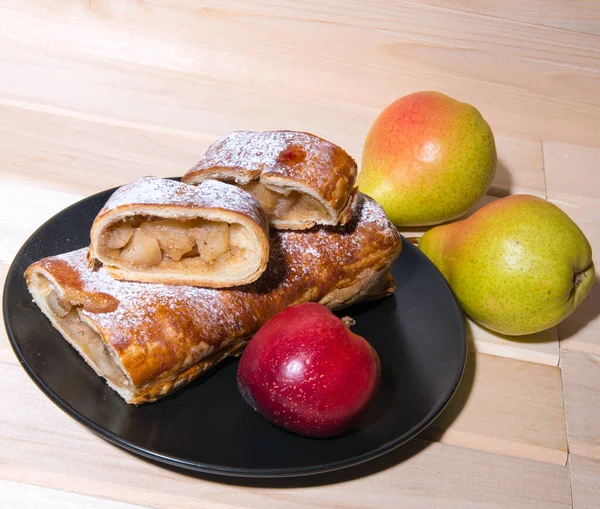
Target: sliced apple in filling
[159,242]
[119,236]
[213,241]
[142,250]
[285,206]
[174,237]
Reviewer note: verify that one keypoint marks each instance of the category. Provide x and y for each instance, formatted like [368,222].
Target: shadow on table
[503,181]
[392,458]
[587,311]
[438,427]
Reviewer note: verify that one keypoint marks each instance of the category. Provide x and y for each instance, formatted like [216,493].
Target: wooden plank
[541,347]
[6,353]
[24,496]
[520,168]
[572,173]
[34,205]
[41,445]
[585,481]
[506,406]
[87,156]
[581,386]
[521,76]
[579,16]
[581,330]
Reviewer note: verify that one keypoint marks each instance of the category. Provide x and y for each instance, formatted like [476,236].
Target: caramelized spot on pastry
[293,154]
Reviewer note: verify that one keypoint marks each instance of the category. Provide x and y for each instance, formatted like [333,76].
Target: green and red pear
[427,159]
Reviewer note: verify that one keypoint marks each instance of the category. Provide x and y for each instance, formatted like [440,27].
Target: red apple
[305,371]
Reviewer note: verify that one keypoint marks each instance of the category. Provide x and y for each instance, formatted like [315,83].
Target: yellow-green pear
[517,266]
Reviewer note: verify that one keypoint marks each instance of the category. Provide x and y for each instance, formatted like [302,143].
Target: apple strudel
[147,340]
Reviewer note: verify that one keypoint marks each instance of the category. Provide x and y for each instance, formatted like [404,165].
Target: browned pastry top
[160,330]
[297,156]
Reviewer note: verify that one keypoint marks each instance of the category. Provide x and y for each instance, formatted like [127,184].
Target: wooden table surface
[96,93]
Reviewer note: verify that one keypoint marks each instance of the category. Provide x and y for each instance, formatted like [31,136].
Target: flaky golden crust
[167,199]
[286,160]
[165,336]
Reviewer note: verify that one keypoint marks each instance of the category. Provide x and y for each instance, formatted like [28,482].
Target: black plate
[418,333]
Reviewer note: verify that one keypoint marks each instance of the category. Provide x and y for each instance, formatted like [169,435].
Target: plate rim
[186,464]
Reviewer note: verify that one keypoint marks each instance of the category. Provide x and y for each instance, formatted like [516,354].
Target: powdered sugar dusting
[210,194]
[301,157]
[183,322]
[249,150]
[372,212]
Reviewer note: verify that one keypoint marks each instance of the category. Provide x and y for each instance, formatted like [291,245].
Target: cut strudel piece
[299,179]
[149,339]
[162,231]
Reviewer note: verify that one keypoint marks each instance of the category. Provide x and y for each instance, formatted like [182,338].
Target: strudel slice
[299,179]
[162,231]
[147,340]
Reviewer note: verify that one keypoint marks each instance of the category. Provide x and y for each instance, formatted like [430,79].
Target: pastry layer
[149,339]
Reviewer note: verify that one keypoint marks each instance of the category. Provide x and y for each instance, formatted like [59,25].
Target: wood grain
[521,76]
[41,445]
[85,156]
[570,173]
[35,206]
[6,353]
[580,16]
[585,481]
[506,406]
[86,153]
[23,496]
[96,93]
[520,168]
[541,347]
[581,385]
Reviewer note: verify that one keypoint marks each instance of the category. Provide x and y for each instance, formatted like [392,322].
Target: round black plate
[207,426]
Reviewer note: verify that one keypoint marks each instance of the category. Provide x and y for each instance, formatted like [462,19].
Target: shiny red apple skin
[305,371]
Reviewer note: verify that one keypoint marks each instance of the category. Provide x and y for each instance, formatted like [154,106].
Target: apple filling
[147,242]
[293,206]
[81,333]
